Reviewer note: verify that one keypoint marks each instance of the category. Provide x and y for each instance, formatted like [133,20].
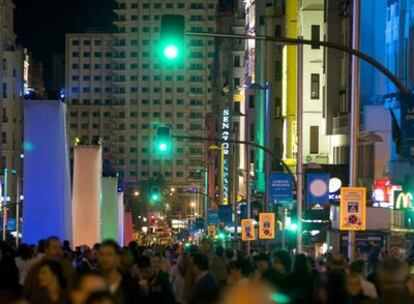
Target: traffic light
[155,194]
[163,140]
[171,45]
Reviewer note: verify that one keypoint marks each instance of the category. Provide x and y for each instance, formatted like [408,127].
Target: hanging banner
[211,231]
[247,230]
[266,226]
[353,209]
[281,188]
[317,188]
[225,155]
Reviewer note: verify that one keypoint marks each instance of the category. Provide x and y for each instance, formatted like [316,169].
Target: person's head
[206,246]
[237,270]
[102,297]
[358,266]
[330,288]
[24,252]
[145,267]
[156,262]
[353,284]
[88,254]
[262,262]
[281,261]
[230,253]
[86,284]
[53,248]
[392,272]
[337,263]
[249,293]
[51,275]
[109,256]
[199,264]
[183,264]
[66,245]
[126,261]
[301,265]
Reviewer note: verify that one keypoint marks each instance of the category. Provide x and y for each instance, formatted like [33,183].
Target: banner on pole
[211,231]
[266,226]
[353,209]
[281,188]
[317,188]
[247,230]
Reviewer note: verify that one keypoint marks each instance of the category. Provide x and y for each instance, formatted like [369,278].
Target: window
[86,54]
[236,82]
[315,86]
[98,42]
[314,140]
[86,42]
[315,35]
[75,54]
[179,174]
[236,61]
[98,54]
[75,42]
[75,78]
[75,66]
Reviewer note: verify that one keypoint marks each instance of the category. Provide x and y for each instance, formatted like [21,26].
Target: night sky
[41,25]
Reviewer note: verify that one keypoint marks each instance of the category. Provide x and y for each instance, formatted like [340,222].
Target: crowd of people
[54,273]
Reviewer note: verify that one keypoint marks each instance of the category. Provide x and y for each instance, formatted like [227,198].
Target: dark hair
[284,257]
[111,243]
[98,297]
[358,266]
[200,260]
[80,278]
[242,265]
[50,239]
[333,282]
[57,270]
[261,257]
[301,265]
[24,252]
[144,262]
[183,263]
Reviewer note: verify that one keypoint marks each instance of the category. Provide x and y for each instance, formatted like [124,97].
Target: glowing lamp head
[171,51]
[154,197]
[163,147]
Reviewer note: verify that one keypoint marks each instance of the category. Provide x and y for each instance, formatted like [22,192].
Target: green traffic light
[293,227]
[221,236]
[154,197]
[171,52]
[163,147]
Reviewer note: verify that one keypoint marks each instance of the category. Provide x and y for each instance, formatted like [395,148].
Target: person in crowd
[239,272]
[52,284]
[330,288]
[181,278]
[368,288]
[299,284]
[205,288]
[217,265]
[87,263]
[410,284]
[9,275]
[84,285]
[121,286]
[354,288]
[24,261]
[126,262]
[101,297]
[251,293]
[281,262]
[264,272]
[53,251]
[154,283]
[336,263]
[392,275]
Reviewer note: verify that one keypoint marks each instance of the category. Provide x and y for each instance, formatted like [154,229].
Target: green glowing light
[171,51]
[163,147]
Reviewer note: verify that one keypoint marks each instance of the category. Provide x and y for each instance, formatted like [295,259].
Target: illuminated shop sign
[225,146]
[403,200]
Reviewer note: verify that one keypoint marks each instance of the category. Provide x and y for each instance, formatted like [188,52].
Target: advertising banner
[266,226]
[247,230]
[317,188]
[281,187]
[211,231]
[353,209]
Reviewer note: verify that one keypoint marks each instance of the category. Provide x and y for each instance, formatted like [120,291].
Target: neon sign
[225,151]
[403,200]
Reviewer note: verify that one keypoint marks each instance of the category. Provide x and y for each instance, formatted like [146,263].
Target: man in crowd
[239,272]
[217,265]
[84,285]
[368,288]
[155,283]
[205,289]
[264,272]
[121,286]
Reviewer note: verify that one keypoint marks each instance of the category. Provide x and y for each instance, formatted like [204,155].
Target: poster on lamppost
[211,231]
[247,230]
[266,226]
[353,209]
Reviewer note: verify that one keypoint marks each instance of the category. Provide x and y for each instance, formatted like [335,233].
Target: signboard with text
[247,230]
[352,209]
[266,226]
[281,190]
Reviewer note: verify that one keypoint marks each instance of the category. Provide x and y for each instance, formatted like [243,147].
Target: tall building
[11,90]
[143,94]
[89,91]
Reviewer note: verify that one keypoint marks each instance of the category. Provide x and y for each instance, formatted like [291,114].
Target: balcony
[340,125]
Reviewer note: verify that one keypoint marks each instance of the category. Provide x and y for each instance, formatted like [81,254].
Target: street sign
[266,226]
[212,217]
[317,188]
[225,214]
[280,187]
[353,209]
[247,230]
[211,231]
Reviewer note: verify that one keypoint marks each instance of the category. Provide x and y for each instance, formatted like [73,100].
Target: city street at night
[207,152]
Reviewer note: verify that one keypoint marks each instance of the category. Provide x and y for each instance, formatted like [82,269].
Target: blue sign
[281,188]
[225,214]
[11,224]
[212,217]
[317,188]
[407,124]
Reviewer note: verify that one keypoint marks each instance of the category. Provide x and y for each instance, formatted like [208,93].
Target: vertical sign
[281,188]
[353,208]
[247,230]
[211,231]
[225,151]
[266,226]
